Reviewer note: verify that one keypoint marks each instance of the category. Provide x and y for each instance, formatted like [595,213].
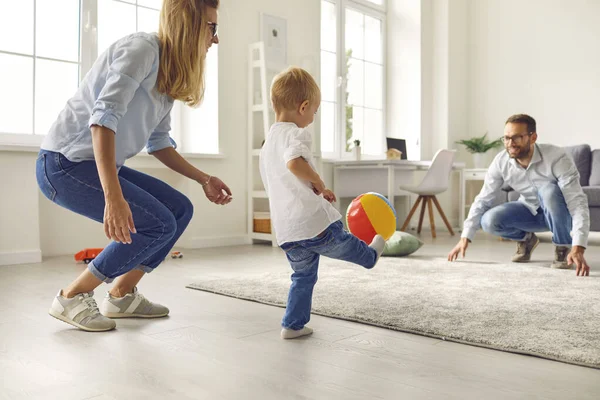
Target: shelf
[259,194]
[261,236]
[256,153]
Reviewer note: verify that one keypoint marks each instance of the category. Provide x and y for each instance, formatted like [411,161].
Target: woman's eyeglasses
[213,28]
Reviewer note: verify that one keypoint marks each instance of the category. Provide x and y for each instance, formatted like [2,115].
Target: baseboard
[20,257]
[439,225]
[219,241]
[438,228]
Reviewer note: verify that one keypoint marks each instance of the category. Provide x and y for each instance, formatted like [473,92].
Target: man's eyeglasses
[213,28]
[517,139]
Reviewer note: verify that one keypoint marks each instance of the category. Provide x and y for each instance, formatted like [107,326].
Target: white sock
[378,245]
[292,334]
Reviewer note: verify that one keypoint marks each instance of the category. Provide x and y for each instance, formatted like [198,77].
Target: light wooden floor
[215,347]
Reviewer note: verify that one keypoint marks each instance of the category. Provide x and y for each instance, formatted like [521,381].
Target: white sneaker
[292,334]
[131,305]
[81,311]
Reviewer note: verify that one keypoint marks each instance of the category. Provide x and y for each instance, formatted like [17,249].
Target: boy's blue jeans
[304,256]
[513,220]
[160,213]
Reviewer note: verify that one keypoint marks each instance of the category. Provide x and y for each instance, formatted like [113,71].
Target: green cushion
[401,244]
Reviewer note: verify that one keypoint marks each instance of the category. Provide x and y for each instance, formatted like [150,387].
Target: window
[39,62]
[42,62]
[118,18]
[352,80]
[377,2]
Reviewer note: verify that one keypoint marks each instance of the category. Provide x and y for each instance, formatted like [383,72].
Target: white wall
[539,57]
[19,233]
[404,74]
[57,231]
[442,44]
[484,60]
[444,75]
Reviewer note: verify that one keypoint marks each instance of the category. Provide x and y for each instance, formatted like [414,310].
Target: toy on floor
[176,254]
[370,214]
[87,255]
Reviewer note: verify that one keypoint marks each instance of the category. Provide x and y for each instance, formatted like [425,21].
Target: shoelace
[91,304]
[148,305]
[522,246]
[140,296]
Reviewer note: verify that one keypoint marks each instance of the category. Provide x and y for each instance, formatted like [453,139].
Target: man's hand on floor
[576,257]
[461,248]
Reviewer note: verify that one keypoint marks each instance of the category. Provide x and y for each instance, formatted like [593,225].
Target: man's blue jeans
[160,213]
[304,256]
[513,220]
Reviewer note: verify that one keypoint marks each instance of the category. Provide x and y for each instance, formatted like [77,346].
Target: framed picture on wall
[273,32]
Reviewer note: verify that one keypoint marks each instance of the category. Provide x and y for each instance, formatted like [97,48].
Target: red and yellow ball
[371,214]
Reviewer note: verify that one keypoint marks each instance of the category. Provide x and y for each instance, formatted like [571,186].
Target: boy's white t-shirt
[297,213]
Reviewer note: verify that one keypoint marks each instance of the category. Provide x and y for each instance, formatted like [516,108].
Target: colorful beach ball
[370,214]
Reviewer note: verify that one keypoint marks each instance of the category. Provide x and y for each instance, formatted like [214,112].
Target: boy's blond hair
[292,87]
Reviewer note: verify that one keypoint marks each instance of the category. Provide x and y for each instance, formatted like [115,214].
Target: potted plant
[478,146]
[356,150]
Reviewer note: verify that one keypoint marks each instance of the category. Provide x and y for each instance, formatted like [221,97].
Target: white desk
[352,178]
[475,174]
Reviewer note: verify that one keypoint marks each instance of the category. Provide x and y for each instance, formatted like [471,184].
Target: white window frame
[375,11]
[382,8]
[26,140]
[88,53]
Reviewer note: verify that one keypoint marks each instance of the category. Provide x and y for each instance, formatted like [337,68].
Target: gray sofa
[588,165]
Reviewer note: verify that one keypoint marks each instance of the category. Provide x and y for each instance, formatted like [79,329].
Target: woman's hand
[118,220]
[216,191]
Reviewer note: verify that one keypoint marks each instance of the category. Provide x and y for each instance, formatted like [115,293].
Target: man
[551,199]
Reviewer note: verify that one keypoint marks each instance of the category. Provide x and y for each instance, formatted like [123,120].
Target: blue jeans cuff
[145,268]
[99,274]
[292,327]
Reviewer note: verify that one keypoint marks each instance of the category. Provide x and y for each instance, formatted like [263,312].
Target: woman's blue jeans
[160,213]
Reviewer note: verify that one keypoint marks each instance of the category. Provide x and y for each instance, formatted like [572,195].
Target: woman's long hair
[183,34]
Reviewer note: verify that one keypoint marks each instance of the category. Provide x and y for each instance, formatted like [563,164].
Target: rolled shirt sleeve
[132,62]
[567,176]
[299,146]
[160,138]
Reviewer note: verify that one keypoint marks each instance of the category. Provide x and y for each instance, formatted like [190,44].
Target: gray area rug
[520,308]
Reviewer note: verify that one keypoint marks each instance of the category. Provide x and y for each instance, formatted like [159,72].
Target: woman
[122,105]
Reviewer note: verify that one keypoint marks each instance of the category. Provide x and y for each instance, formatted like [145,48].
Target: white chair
[435,182]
